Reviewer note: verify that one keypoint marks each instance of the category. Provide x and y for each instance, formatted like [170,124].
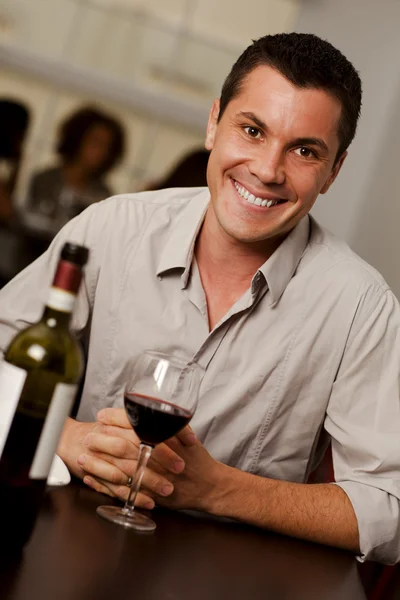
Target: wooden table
[75,555]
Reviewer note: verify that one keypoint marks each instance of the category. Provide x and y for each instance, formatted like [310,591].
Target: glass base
[134,520]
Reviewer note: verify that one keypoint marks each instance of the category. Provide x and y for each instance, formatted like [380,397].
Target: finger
[97,467]
[144,501]
[157,483]
[113,430]
[121,492]
[98,486]
[163,456]
[114,416]
[114,446]
[175,445]
[187,437]
[126,465]
[108,472]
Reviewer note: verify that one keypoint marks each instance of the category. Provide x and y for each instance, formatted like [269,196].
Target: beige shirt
[310,352]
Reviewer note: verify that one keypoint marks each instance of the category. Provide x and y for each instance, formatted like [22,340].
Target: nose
[268,165]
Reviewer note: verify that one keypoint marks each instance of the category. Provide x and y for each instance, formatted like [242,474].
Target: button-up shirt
[309,353]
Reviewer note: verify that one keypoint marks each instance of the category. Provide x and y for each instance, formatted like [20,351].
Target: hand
[198,486]
[75,447]
[72,445]
[107,456]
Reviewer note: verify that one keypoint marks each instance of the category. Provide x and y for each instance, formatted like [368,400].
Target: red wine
[154,420]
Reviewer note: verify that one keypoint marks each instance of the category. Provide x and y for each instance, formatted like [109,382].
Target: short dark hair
[77,125]
[307,61]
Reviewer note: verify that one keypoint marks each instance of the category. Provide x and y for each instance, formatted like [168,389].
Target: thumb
[187,436]
[114,416]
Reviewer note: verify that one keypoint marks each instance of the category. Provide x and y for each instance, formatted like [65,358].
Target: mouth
[266,202]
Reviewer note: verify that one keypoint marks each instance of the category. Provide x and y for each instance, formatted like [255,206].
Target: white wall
[61,54]
[363,206]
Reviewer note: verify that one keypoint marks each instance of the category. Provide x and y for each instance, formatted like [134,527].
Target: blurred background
[108,96]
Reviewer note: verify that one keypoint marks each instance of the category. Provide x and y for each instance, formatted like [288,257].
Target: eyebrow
[304,141]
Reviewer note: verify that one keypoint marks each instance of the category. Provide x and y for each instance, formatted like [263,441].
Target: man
[298,337]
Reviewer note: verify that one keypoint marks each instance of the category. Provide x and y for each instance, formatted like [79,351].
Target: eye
[305,152]
[252,132]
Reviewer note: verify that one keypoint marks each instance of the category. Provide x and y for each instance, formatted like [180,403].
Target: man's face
[275,144]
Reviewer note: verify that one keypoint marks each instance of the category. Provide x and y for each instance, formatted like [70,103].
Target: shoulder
[334,257]
[45,182]
[174,197]
[339,284]
[157,205]
[50,174]
[125,219]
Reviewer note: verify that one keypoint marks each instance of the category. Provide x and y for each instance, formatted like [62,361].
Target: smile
[251,199]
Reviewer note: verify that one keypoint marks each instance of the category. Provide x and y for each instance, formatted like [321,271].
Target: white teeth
[253,199]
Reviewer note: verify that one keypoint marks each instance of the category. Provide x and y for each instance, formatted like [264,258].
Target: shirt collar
[178,251]
[279,269]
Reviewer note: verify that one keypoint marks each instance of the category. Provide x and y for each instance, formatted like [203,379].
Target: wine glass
[160,398]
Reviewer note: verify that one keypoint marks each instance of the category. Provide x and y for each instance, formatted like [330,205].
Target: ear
[334,173]
[212,125]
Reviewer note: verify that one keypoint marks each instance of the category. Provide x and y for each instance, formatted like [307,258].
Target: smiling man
[298,337]
[277,145]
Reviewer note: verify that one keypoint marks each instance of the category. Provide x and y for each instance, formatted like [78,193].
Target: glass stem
[144,455]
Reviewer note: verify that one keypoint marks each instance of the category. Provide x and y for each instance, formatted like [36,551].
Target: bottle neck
[56,318]
[62,295]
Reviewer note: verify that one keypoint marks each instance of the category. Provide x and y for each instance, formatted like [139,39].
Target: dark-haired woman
[89,145]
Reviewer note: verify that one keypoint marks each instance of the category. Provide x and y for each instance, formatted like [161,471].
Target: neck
[221,256]
[76,175]
[58,318]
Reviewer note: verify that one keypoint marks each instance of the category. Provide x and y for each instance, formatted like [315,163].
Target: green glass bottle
[39,377]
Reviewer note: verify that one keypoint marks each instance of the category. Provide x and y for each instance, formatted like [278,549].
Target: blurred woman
[90,144]
[189,171]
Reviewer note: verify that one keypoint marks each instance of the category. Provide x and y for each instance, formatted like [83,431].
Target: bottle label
[12,381]
[61,300]
[59,409]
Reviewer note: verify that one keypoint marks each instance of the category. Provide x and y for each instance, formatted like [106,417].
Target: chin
[246,237]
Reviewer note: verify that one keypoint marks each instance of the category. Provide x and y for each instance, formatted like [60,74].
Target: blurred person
[90,144]
[299,338]
[14,119]
[189,171]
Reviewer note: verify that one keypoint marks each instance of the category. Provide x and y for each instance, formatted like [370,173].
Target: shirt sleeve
[22,300]
[363,419]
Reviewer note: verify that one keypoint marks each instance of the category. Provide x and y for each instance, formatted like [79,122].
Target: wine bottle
[39,377]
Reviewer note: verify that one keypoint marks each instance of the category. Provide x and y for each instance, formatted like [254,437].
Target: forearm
[317,512]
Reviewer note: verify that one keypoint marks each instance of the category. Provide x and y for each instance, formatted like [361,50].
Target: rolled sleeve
[363,420]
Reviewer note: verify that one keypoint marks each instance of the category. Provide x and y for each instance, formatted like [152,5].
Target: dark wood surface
[75,555]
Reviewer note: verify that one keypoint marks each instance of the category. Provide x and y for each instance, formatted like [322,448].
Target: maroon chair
[387,586]
[380,582]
